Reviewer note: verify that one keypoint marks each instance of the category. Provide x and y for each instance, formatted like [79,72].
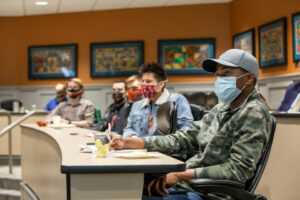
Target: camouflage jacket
[225,144]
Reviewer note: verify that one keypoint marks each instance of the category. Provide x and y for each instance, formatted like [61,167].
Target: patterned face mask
[148,91]
[134,95]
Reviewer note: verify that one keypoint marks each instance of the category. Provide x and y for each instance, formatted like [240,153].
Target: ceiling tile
[32,9]
[76,5]
[17,7]
[111,4]
[147,3]
[11,8]
[214,1]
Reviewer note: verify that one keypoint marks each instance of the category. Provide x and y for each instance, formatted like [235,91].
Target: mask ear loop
[242,76]
[165,81]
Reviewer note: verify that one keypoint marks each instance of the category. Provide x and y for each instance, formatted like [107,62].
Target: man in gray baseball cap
[226,144]
[237,72]
[233,58]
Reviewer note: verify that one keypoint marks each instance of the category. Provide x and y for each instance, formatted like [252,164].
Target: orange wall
[246,14]
[148,24]
[8,51]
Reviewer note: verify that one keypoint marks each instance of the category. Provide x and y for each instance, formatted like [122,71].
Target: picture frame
[296,36]
[185,56]
[116,58]
[272,43]
[52,61]
[245,41]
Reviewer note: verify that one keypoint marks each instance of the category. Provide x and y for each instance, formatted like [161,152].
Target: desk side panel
[41,161]
[107,186]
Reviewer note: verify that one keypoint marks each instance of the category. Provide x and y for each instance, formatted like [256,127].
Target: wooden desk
[47,153]
[16,132]
[281,178]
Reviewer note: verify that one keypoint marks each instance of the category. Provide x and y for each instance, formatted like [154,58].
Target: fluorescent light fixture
[41,3]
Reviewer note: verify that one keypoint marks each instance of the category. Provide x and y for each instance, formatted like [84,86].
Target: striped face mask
[74,93]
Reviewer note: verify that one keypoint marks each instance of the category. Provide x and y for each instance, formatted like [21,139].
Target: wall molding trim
[272,88]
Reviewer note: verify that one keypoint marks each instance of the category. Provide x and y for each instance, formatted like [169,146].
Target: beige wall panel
[281,178]
[16,132]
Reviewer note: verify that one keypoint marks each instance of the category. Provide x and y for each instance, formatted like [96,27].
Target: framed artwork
[53,61]
[116,59]
[272,43]
[296,35]
[245,41]
[185,56]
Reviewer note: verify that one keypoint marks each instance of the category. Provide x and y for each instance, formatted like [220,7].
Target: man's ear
[161,85]
[250,79]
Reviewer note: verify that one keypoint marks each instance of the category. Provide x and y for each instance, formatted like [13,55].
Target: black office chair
[236,190]
[166,118]
[8,104]
[197,112]
[212,100]
[198,98]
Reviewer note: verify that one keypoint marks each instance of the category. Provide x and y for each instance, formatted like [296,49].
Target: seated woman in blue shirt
[142,118]
[60,90]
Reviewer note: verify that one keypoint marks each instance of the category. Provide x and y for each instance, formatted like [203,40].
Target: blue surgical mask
[226,90]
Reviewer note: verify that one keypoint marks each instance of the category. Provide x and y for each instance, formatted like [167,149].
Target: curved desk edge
[122,169]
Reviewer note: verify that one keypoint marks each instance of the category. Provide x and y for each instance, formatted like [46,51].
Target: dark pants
[186,196]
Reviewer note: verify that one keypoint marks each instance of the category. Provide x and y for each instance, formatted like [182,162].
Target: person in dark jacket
[113,111]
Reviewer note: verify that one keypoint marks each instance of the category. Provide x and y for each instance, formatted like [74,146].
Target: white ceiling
[28,7]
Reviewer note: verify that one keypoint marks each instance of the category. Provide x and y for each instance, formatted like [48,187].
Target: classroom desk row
[68,172]
[54,168]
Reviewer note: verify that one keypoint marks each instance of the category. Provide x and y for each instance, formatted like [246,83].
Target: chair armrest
[225,187]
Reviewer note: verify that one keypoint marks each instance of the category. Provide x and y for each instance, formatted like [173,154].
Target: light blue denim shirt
[137,122]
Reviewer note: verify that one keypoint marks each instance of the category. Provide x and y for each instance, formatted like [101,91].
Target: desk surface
[285,114]
[75,162]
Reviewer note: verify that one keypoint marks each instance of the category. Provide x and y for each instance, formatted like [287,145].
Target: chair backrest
[166,118]
[212,100]
[8,104]
[198,98]
[252,183]
[97,116]
[197,112]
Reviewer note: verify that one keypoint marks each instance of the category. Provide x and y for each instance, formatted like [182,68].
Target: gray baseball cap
[233,58]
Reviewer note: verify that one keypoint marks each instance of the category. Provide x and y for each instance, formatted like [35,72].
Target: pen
[109,139]
[109,129]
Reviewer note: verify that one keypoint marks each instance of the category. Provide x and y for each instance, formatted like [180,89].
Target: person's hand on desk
[117,142]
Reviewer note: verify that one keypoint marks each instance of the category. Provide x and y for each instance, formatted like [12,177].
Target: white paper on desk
[128,150]
[87,148]
[133,154]
[90,135]
[61,125]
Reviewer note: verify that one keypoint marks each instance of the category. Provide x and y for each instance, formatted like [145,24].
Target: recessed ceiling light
[41,3]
